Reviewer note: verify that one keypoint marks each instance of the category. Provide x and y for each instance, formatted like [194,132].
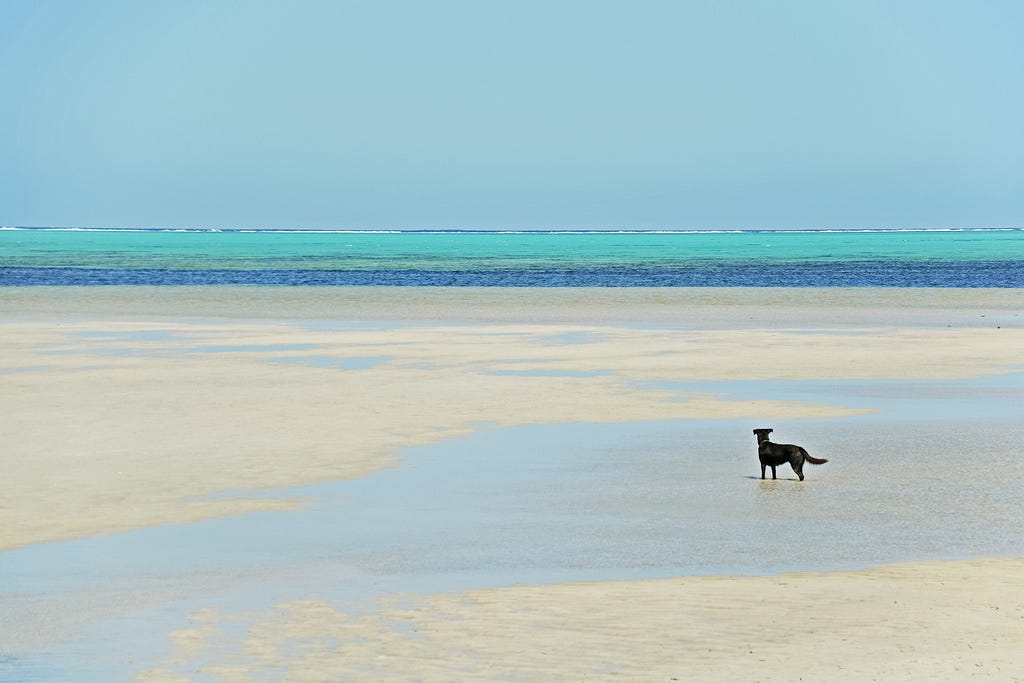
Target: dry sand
[115,418]
[949,621]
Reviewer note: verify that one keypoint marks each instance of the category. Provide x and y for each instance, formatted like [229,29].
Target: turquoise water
[316,250]
[930,258]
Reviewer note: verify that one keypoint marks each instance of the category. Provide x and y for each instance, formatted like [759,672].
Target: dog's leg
[762,470]
[798,467]
[773,471]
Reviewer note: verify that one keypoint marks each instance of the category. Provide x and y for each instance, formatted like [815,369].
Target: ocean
[958,258]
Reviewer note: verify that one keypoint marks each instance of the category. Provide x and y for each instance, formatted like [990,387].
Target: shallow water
[542,504]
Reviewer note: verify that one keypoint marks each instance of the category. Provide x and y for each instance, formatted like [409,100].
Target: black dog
[775,454]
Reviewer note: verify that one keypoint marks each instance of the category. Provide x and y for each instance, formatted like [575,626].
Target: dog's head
[762,434]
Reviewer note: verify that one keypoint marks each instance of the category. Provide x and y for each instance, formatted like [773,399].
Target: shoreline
[673,307]
[136,408]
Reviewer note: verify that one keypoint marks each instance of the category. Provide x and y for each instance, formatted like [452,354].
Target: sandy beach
[129,408]
[929,621]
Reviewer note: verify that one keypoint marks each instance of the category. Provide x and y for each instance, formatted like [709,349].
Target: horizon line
[509,231]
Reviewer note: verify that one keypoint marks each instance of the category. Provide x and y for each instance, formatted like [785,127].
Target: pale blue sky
[438,114]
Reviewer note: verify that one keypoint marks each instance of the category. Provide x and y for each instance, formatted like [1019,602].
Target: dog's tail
[811,459]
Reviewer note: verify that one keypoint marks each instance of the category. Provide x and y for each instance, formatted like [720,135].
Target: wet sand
[674,307]
[928,621]
[128,408]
